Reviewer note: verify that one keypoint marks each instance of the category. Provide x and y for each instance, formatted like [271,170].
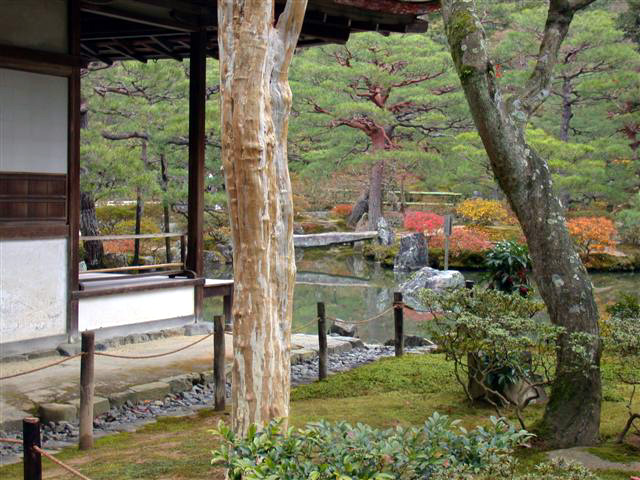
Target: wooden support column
[197,98]
[73,170]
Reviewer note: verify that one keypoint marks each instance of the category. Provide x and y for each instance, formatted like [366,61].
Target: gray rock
[412,254]
[111,260]
[100,405]
[226,251]
[151,391]
[57,412]
[69,349]
[211,257]
[200,328]
[385,233]
[411,341]
[297,229]
[363,223]
[343,328]
[82,266]
[432,279]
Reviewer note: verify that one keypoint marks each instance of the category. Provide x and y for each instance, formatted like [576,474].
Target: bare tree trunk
[93,250]
[567,110]
[166,216]
[256,101]
[375,194]
[139,213]
[572,416]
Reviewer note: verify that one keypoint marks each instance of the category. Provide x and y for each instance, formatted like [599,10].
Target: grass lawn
[389,392]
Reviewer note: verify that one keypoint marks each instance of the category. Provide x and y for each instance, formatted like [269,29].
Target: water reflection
[354,288]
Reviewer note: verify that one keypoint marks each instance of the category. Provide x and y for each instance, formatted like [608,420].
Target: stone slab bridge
[331,238]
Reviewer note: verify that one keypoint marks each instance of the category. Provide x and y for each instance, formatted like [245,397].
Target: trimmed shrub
[463,239]
[439,449]
[478,211]
[592,234]
[423,222]
[342,210]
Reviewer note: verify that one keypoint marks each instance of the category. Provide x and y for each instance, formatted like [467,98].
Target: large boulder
[344,329]
[432,279]
[385,233]
[412,254]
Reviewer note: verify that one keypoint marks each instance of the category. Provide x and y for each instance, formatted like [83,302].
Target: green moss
[614,452]
[384,254]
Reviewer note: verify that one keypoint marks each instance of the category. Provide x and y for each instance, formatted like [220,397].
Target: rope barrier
[306,325]
[142,357]
[11,440]
[60,464]
[362,322]
[43,367]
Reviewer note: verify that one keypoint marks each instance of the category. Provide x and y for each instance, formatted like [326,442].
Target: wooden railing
[106,238]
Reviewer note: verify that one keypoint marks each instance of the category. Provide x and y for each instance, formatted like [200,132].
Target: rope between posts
[142,357]
[59,463]
[362,322]
[43,367]
[11,440]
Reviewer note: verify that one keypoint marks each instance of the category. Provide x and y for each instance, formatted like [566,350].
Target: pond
[354,288]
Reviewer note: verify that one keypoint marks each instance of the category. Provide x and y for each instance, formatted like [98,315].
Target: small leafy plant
[319,451]
[621,336]
[508,263]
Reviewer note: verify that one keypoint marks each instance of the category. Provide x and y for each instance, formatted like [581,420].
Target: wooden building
[44,44]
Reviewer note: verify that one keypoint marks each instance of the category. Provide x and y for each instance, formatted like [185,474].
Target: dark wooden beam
[393,7]
[36,61]
[197,140]
[30,231]
[142,287]
[73,169]
[137,18]
[326,33]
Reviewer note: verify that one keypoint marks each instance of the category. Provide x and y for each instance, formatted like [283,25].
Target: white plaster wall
[135,307]
[37,24]
[33,122]
[33,289]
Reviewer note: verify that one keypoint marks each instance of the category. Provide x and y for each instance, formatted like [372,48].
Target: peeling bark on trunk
[256,101]
[572,416]
[93,250]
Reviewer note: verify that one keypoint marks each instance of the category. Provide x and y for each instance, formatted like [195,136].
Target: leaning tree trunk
[93,250]
[359,209]
[255,55]
[139,213]
[572,416]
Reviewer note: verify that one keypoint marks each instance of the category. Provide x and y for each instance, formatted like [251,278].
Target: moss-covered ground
[386,393]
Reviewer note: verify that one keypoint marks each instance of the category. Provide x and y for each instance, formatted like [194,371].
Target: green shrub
[342,451]
[508,263]
[495,343]
[110,215]
[629,223]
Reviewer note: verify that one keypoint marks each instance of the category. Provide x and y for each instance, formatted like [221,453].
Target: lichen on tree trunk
[572,416]
[256,101]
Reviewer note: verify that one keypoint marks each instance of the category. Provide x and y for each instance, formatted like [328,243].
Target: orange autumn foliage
[592,234]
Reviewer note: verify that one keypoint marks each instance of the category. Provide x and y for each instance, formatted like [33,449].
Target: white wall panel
[33,289]
[135,307]
[33,122]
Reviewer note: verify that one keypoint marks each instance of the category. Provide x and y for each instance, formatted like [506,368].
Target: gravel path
[131,416]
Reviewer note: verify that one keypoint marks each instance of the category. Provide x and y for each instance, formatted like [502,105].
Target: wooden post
[398,313]
[227,311]
[218,363]
[322,343]
[183,249]
[32,458]
[197,99]
[86,390]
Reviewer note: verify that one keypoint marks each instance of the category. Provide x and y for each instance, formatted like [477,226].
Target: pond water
[354,288]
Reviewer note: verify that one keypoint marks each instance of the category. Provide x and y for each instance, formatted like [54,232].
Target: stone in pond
[385,233]
[427,277]
[412,254]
